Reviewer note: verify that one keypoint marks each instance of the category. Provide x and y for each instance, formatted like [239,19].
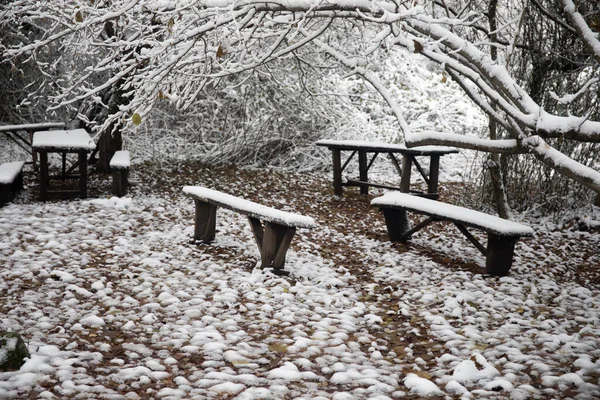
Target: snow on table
[474,218]
[76,139]
[9,171]
[248,207]
[121,160]
[380,146]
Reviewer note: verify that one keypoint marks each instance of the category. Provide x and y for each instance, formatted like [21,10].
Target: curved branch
[430,138]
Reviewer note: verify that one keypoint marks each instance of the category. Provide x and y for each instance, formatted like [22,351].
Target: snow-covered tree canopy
[153,50]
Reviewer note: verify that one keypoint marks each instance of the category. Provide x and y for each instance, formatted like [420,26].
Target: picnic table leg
[43,174]
[406,170]
[363,171]
[275,243]
[64,165]
[33,152]
[434,172]
[337,171]
[397,223]
[500,250]
[83,180]
[205,221]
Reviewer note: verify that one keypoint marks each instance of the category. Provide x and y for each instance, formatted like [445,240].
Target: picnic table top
[385,147]
[75,139]
[31,127]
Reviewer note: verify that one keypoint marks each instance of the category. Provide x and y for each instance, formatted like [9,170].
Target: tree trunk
[108,144]
[111,139]
[498,191]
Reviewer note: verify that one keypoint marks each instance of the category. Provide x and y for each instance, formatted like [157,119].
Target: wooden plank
[394,161]
[372,161]
[347,161]
[354,182]
[471,238]
[205,221]
[257,231]
[406,235]
[421,171]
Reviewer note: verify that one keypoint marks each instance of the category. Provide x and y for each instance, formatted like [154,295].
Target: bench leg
[18,182]
[397,223]
[120,182]
[276,241]
[205,221]
[500,250]
[4,193]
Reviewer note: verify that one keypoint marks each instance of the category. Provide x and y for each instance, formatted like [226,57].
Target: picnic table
[22,135]
[409,158]
[76,141]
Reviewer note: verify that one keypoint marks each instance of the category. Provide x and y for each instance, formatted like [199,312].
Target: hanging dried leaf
[418,46]
[79,16]
[444,78]
[220,51]
[136,119]
[170,24]
[161,95]
[595,23]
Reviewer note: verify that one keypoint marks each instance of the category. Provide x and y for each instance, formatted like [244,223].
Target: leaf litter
[116,300]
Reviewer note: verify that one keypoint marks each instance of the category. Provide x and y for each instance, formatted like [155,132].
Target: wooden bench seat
[273,229]
[120,164]
[11,180]
[502,234]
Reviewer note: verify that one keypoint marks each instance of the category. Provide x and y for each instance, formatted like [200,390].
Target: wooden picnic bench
[273,229]
[120,164]
[409,158]
[502,234]
[11,180]
[15,133]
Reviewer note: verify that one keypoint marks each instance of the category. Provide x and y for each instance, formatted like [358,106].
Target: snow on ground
[116,302]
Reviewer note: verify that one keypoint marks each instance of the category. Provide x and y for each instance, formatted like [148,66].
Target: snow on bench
[502,234]
[273,238]
[119,164]
[11,179]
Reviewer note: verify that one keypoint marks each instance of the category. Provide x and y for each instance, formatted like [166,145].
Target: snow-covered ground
[117,302]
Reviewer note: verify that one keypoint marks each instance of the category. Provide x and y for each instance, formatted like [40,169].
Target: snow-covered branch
[590,39]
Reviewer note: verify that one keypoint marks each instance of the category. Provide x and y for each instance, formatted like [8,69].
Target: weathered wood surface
[502,234]
[11,180]
[273,229]
[119,165]
[363,148]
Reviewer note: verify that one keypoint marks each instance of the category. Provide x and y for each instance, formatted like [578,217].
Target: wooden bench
[11,180]
[502,234]
[273,238]
[119,164]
